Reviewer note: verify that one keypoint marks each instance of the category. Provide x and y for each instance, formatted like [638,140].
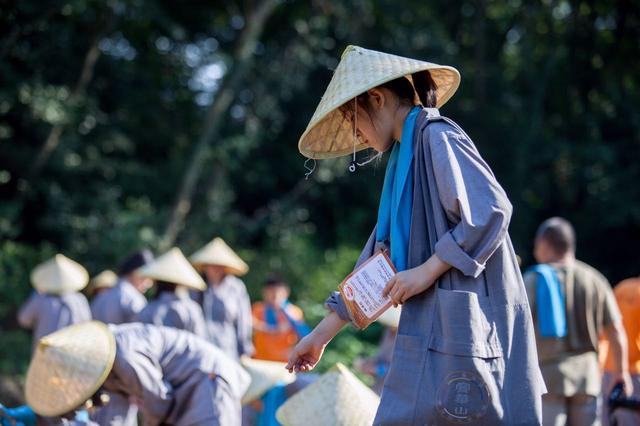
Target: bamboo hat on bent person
[338,397]
[68,367]
[264,376]
[174,268]
[59,275]
[217,252]
[329,134]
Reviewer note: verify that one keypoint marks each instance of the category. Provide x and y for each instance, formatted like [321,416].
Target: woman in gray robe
[46,313]
[172,307]
[227,313]
[465,350]
[225,302]
[175,377]
[122,302]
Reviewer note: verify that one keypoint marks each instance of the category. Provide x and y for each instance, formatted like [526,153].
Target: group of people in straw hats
[464,349]
[175,359]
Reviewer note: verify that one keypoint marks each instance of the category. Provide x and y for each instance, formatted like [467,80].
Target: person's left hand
[406,284]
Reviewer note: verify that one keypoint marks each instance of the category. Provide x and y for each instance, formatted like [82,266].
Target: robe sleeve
[28,312]
[143,380]
[244,324]
[334,302]
[475,204]
[530,283]
[132,304]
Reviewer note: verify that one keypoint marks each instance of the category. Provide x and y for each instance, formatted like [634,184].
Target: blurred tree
[549,94]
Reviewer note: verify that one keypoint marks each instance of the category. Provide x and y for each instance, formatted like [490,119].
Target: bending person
[175,377]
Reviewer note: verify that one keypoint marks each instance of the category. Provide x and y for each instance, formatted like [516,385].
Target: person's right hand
[306,354]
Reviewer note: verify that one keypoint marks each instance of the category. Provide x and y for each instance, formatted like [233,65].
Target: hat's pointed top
[338,397]
[217,252]
[59,275]
[173,267]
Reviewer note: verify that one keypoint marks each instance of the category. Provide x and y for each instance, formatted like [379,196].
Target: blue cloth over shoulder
[550,302]
[396,202]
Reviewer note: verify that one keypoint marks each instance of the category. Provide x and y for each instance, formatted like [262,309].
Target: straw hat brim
[59,275]
[218,253]
[68,367]
[329,134]
[173,267]
[264,375]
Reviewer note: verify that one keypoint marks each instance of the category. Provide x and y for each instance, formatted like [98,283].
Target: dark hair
[134,261]
[423,85]
[164,287]
[559,234]
[274,280]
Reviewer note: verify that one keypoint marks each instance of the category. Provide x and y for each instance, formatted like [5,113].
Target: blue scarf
[271,318]
[396,201]
[552,317]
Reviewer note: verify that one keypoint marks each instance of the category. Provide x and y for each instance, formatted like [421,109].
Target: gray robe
[465,350]
[174,310]
[227,315]
[46,313]
[175,377]
[119,304]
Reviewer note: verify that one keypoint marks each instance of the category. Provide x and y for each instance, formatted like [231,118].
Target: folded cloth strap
[550,302]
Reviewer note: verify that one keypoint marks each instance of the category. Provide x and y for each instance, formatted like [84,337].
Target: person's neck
[400,117]
[565,259]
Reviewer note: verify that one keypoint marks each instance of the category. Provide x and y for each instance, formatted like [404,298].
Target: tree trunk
[242,58]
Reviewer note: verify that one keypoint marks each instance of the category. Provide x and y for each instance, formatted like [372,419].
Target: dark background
[107,108]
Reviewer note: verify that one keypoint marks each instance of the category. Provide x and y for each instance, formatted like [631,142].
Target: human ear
[377,98]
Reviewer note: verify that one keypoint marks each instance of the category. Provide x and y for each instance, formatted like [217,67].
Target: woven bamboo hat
[105,279]
[217,252]
[173,267]
[329,134]
[264,376]
[390,317]
[59,275]
[68,367]
[336,398]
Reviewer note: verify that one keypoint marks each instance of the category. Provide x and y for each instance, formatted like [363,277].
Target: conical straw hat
[217,252]
[329,134]
[59,275]
[68,367]
[336,398]
[173,267]
[264,376]
[390,317]
[105,279]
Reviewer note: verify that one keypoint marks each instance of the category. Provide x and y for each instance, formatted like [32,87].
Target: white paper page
[365,286]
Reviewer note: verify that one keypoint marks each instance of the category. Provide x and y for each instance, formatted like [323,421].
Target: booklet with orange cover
[362,289]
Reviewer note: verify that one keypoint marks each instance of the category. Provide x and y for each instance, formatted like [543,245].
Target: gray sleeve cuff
[450,252]
[335,303]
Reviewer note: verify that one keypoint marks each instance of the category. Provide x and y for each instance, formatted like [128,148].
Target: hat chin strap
[354,164]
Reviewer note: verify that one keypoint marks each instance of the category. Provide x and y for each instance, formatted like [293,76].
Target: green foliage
[549,94]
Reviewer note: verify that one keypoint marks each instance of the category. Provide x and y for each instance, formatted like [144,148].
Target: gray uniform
[227,315]
[175,377]
[465,350]
[46,313]
[118,304]
[173,310]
